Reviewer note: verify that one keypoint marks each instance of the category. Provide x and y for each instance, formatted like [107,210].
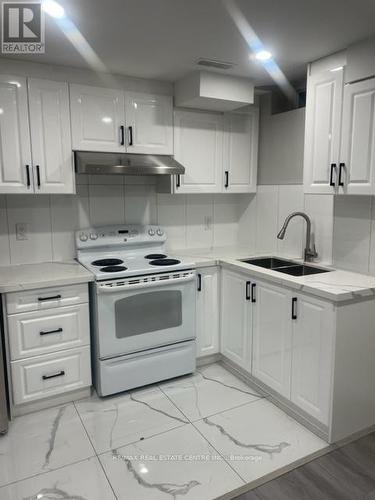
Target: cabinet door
[208,311]
[15,156]
[312,356]
[98,118]
[272,337]
[149,120]
[50,136]
[198,146]
[322,133]
[241,152]
[235,320]
[358,139]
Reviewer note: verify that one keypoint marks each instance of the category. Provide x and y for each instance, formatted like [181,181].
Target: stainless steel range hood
[90,162]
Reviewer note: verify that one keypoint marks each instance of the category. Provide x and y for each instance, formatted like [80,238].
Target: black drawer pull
[54,297]
[294,310]
[58,330]
[199,288]
[342,167]
[248,283]
[253,297]
[226,179]
[54,375]
[38,176]
[122,135]
[28,183]
[333,169]
[130,136]
[178,181]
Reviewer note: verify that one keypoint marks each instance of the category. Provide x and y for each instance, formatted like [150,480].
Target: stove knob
[93,236]
[83,237]
[160,232]
[151,232]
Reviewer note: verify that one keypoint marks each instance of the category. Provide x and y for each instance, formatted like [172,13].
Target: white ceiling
[162,39]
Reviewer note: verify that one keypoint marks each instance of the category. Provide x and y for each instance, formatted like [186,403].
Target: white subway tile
[106,204]
[320,209]
[83,207]
[267,206]
[291,199]
[140,205]
[225,221]
[64,219]
[33,210]
[172,216]
[199,220]
[247,221]
[4,236]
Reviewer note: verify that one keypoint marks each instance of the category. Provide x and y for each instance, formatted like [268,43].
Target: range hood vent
[90,162]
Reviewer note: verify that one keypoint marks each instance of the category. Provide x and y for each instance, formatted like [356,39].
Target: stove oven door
[139,314]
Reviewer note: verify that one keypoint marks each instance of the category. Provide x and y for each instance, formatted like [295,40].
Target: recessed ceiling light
[263,55]
[53,9]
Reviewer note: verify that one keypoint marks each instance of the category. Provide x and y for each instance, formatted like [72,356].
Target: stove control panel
[121,235]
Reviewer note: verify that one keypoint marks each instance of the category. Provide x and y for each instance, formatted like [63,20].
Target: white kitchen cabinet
[357,155]
[240,163]
[97,118]
[322,131]
[50,137]
[198,146]
[272,336]
[236,335]
[15,157]
[207,311]
[313,327]
[149,121]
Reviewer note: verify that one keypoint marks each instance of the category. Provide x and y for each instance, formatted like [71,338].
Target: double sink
[284,266]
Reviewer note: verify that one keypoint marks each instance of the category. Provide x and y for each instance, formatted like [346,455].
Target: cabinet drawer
[46,298]
[41,332]
[49,375]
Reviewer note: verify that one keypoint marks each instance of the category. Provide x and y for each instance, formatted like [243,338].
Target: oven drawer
[41,332]
[46,298]
[50,375]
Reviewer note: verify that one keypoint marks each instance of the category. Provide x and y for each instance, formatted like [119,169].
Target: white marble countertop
[43,275]
[337,285]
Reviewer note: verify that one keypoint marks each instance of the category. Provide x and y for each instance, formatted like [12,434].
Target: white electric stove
[142,306]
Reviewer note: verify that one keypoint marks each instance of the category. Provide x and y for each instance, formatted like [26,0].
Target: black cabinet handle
[294,310]
[130,136]
[122,135]
[248,283]
[178,180]
[333,169]
[37,175]
[53,297]
[226,179]
[342,167]
[253,297]
[199,288]
[58,330]
[28,183]
[54,375]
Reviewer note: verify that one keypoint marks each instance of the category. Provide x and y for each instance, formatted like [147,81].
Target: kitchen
[187,257]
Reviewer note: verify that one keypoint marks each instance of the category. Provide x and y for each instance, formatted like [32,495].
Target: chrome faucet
[310,253]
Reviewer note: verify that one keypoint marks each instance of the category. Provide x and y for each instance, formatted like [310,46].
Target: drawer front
[41,332]
[50,375]
[46,298]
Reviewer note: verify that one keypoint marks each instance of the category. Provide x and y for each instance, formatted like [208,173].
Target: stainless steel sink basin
[285,266]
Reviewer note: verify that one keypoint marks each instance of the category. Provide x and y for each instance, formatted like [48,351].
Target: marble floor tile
[42,441]
[81,481]
[258,438]
[212,389]
[193,470]
[120,420]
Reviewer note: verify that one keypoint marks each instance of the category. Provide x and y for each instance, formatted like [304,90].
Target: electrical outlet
[22,231]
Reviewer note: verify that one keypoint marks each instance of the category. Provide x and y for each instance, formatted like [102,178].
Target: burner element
[165,262]
[154,256]
[107,262]
[113,269]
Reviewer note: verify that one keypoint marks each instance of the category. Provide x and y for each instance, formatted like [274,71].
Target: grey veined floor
[344,474]
[196,437]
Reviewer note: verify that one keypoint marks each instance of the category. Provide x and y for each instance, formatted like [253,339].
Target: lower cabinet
[285,340]
[207,311]
[236,319]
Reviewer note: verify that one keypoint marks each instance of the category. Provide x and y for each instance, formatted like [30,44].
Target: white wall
[190,220]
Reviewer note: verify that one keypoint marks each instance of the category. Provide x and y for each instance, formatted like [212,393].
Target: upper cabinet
[219,152]
[322,132]
[50,136]
[35,137]
[117,121]
[15,147]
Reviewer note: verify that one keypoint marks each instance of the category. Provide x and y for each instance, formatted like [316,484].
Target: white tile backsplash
[107,204]
[267,206]
[226,216]
[199,220]
[172,216]
[140,205]
[291,199]
[320,209]
[4,239]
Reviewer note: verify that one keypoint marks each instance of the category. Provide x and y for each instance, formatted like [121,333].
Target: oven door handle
[149,284]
